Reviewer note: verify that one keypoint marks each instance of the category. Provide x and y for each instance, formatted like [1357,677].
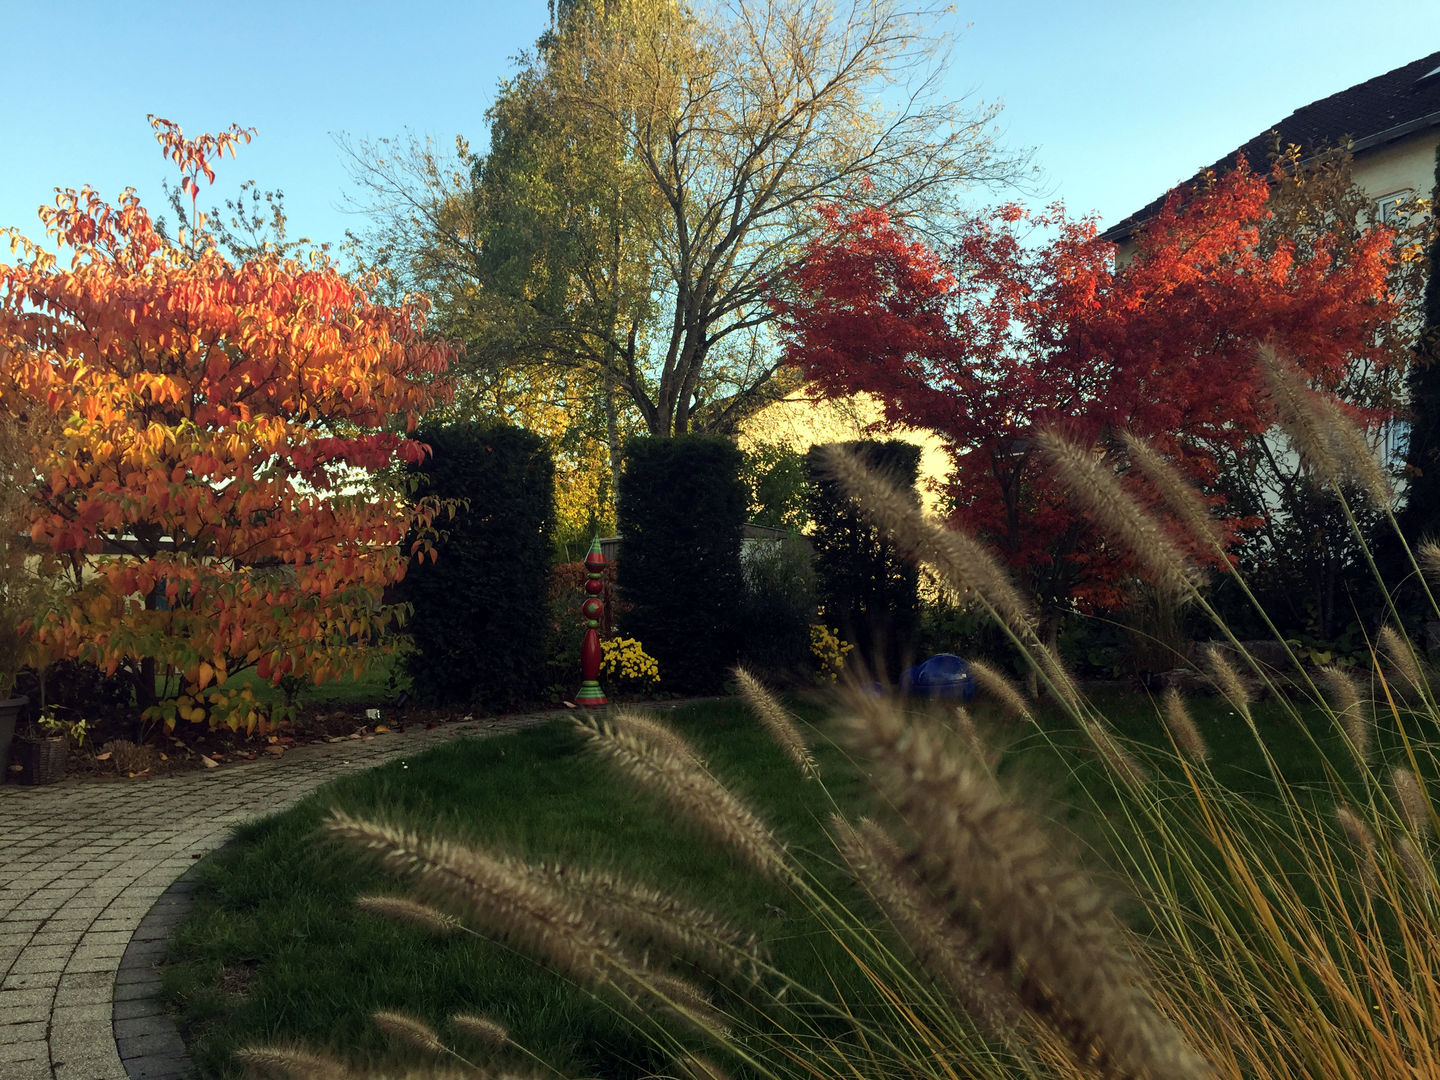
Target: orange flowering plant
[218,481]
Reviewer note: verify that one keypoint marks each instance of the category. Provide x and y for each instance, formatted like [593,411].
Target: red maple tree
[211,484]
[996,339]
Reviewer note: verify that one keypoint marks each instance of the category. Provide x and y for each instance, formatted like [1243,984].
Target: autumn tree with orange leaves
[216,487]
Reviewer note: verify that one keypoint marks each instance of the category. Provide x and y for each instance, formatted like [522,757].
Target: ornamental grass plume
[1228,681]
[1429,556]
[778,722]
[517,905]
[654,919]
[970,734]
[510,903]
[675,776]
[979,852]
[404,909]
[1121,761]
[1183,729]
[1355,719]
[481,1028]
[1006,694]
[1322,433]
[291,1063]
[961,562]
[1362,839]
[1396,648]
[1097,487]
[409,1030]
[1414,865]
[1411,801]
[1179,494]
[942,946]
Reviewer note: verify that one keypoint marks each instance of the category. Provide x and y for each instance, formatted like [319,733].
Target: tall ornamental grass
[1284,932]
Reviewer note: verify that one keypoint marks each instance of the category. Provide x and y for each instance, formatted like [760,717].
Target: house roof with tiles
[1370,114]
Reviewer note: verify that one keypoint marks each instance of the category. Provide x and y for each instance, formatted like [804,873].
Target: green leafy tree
[651,183]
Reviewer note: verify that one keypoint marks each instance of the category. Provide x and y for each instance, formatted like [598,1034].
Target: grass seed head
[1429,555]
[1410,800]
[1179,494]
[1095,485]
[290,1063]
[404,909]
[1227,680]
[686,787]
[980,851]
[648,918]
[1121,761]
[1355,720]
[1396,648]
[1006,694]
[408,1029]
[1323,434]
[778,722]
[1183,728]
[1362,841]
[1414,865]
[961,562]
[944,947]
[699,1068]
[481,1028]
[505,901]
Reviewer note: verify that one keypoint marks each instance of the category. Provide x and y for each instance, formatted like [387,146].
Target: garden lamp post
[590,691]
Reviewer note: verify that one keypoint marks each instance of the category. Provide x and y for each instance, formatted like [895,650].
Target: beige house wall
[798,423]
[1404,166]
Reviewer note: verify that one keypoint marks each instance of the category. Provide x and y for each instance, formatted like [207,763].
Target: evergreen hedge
[682,515]
[480,616]
[867,591]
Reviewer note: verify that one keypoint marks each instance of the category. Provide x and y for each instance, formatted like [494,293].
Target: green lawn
[274,951]
[274,948]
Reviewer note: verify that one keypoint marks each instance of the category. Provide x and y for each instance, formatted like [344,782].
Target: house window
[1388,207]
[1395,442]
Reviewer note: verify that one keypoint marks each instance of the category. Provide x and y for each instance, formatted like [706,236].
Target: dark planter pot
[9,713]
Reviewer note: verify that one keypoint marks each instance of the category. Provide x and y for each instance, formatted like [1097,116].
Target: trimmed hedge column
[867,591]
[479,618]
[682,514]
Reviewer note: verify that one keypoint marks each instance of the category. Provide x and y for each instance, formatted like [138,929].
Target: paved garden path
[82,864]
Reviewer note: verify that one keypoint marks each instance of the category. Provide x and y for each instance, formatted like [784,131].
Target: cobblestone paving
[81,865]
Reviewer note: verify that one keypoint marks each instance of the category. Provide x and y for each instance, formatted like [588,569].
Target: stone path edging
[86,871]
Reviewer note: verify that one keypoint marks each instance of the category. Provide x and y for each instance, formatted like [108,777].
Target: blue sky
[1119,100]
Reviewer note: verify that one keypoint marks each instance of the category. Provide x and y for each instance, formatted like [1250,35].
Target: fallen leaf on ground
[210,763]
[98,757]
